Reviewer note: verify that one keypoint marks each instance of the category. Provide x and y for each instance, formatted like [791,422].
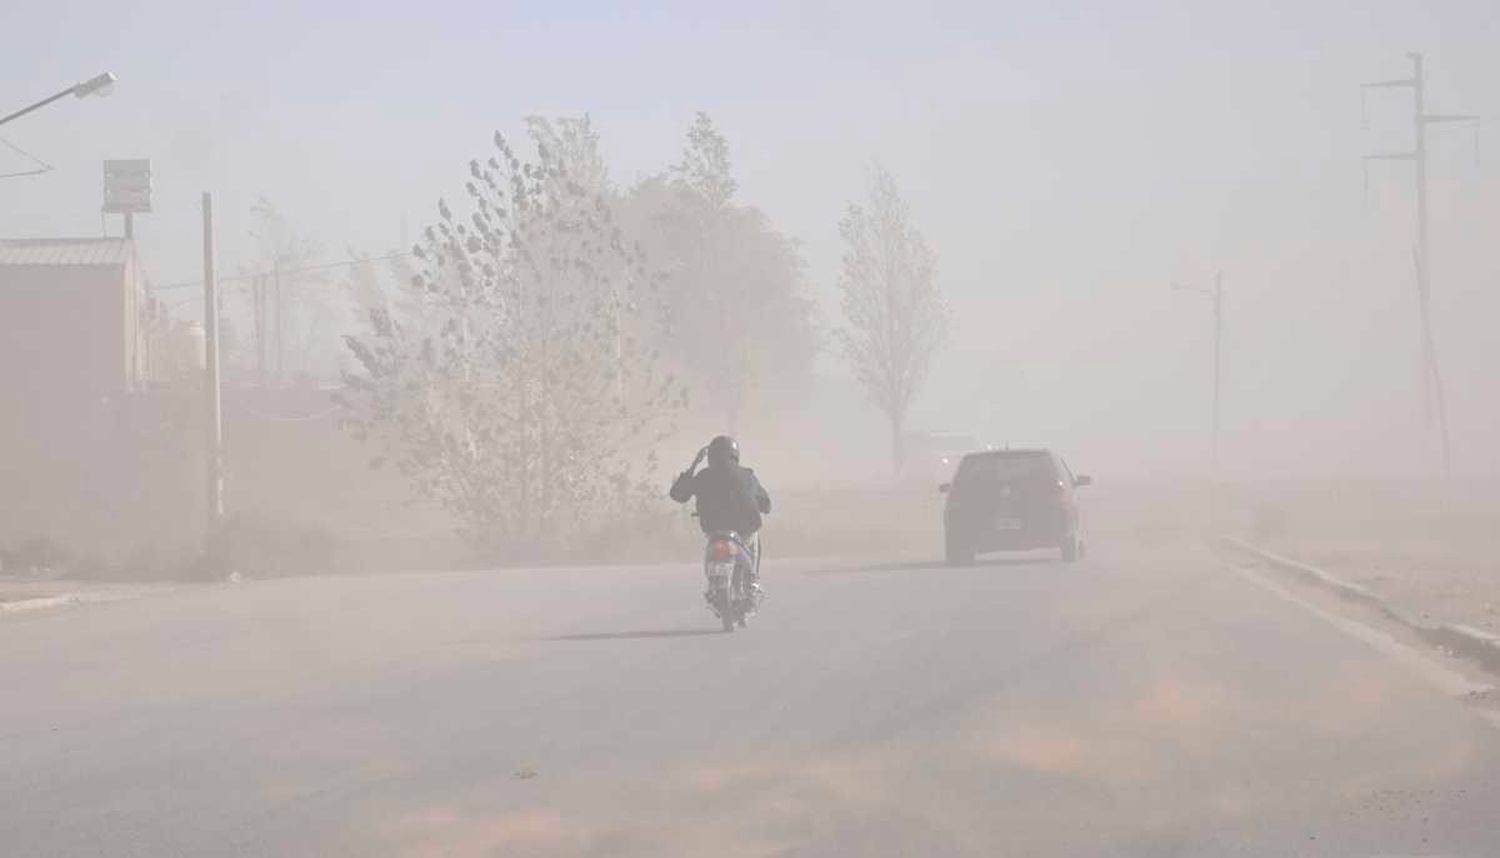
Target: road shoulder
[1458,663]
[20,595]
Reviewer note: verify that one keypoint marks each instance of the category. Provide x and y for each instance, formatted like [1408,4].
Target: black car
[1011,500]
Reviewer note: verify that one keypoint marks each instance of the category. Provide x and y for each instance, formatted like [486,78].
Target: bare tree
[891,301]
[292,315]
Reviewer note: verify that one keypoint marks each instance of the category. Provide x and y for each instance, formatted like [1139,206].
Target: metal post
[130,225]
[40,104]
[1432,382]
[1419,127]
[1436,399]
[214,435]
[258,312]
[1218,351]
[280,321]
[98,84]
[1419,151]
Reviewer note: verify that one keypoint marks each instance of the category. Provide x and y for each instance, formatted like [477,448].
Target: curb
[1474,644]
[40,603]
[62,600]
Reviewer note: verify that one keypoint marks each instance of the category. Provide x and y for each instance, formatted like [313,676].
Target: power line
[188,284]
[45,167]
[285,418]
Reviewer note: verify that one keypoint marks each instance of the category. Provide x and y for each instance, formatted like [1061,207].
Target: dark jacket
[729,498]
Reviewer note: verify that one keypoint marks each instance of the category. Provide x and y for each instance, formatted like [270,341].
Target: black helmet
[722,451]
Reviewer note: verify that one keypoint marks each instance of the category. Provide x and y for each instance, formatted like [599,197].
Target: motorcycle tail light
[723,551]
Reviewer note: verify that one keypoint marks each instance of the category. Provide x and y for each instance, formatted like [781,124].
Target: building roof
[66,251]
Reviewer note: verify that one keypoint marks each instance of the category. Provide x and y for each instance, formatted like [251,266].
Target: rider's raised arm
[682,487]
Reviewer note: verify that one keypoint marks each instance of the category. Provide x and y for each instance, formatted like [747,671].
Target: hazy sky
[1066,160]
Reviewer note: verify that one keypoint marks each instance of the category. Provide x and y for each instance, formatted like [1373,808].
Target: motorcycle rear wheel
[725,603]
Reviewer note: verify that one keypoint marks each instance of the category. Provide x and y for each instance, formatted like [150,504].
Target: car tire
[956,552]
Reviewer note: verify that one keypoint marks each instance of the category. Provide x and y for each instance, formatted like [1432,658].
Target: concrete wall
[68,332]
[124,480]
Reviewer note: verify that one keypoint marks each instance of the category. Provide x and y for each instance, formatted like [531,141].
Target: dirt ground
[1431,548]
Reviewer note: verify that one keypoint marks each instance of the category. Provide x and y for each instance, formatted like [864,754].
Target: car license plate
[1007,524]
[720,571]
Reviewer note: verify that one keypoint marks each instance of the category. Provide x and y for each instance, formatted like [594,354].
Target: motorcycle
[730,567]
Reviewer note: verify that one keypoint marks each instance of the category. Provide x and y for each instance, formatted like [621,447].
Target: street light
[103,84]
[98,85]
[1217,294]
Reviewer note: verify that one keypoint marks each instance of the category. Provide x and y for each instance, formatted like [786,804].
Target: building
[102,441]
[72,326]
[73,352]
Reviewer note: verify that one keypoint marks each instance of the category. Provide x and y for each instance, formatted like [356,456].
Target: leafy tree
[735,285]
[574,143]
[519,388]
[704,169]
[891,301]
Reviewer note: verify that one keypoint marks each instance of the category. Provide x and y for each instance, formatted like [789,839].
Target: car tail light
[723,551]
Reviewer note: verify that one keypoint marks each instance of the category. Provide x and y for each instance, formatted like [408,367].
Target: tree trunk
[898,445]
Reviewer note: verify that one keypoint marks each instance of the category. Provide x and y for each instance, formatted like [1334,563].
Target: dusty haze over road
[1146,702]
[415,583]
[1066,163]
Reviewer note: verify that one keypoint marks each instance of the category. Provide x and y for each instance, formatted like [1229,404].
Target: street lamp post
[97,85]
[1216,294]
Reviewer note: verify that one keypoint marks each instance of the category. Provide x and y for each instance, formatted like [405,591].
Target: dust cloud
[1165,296]
[1060,172]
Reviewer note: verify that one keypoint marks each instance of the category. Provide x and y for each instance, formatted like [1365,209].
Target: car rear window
[1005,467]
[954,444]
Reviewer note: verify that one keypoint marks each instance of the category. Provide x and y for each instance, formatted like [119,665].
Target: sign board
[127,186]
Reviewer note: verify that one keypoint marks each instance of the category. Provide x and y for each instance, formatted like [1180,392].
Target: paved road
[1146,702]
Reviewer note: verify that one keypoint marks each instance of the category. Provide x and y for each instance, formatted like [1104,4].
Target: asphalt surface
[1146,702]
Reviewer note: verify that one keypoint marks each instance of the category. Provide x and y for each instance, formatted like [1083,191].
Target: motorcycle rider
[729,496]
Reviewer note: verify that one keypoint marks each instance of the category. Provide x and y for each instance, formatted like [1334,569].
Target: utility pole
[213,414]
[258,310]
[1217,296]
[1433,396]
[1218,353]
[280,321]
